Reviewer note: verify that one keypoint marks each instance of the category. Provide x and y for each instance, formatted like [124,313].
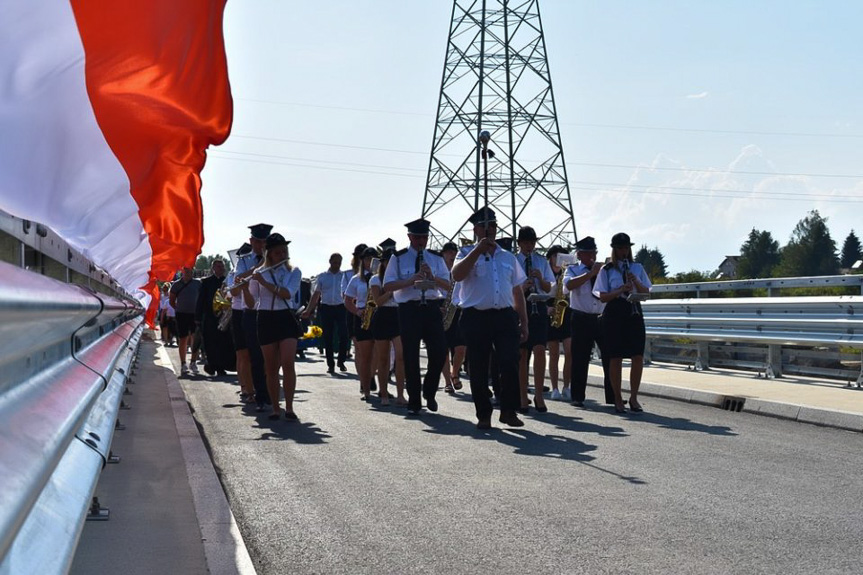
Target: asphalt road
[357,488]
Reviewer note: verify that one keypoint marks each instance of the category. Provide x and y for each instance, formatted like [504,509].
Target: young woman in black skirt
[622,324]
[272,294]
[385,329]
[356,298]
[558,336]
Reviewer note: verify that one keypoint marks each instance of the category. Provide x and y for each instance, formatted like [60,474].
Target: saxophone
[369,310]
[449,308]
[560,303]
[420,261]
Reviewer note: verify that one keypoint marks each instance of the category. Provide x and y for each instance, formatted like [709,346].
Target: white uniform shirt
[489,284]
[281,277]
[611,279]
[329,285]
[403,266]
[376,281]
[540,263]
[582,298]
[236,302]
[357,289]
[245,263]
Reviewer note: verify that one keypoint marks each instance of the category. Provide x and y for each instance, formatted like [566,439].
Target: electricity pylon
[496,78]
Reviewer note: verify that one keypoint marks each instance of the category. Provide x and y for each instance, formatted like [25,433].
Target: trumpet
[246,280]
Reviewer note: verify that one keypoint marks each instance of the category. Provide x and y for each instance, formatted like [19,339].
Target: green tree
[204,263]
[759,255]
[851,250]
[811,251]
[653,262]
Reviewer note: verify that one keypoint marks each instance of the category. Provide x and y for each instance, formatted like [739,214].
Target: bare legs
[280,355]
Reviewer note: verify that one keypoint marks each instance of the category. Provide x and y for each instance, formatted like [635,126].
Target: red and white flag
[106,110]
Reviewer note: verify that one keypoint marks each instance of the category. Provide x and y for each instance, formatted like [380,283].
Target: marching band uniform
[493,316]
[418,320]
[586,311]
[249,317]
[622,322]
[537,337]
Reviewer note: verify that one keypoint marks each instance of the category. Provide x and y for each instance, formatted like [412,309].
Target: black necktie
[417,264]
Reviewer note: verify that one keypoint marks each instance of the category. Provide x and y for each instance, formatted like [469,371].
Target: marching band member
[559,337]
[419,312]
[586,310]
[245,268]
[356,266]
[456,348]
[356,300]
[622,323]
[244,365]
[385,328]
[327,291]
[539,280]
[272,293]
[493,315]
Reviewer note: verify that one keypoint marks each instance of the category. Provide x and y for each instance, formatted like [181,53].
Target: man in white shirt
[327,292]
[586,309]
[493,316]
[419,279]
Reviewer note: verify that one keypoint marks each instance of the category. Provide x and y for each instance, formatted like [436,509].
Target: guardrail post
[774,361]
[647,351]
[702,362]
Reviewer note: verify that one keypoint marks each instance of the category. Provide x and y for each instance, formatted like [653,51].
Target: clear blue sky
[661,105]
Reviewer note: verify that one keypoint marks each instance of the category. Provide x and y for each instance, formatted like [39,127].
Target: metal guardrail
[775,322]
[65,356]
[770,284]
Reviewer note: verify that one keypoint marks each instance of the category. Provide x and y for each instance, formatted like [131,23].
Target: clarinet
[528,266]
[625,267]
[420,261]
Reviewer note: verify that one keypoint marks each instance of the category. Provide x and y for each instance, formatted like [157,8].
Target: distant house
[728,268]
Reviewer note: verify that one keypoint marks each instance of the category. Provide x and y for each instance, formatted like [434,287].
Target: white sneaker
[555,395]
[194,367]
[184,369]
[567,394]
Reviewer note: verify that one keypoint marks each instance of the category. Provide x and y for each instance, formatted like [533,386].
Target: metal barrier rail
[770,284]
[788,321]
[65,355]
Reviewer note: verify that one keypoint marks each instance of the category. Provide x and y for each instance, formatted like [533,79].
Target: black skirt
[454,337]
[563,332]
[237,333]
[360,333]
[385,323]
[622,330]
[277,325]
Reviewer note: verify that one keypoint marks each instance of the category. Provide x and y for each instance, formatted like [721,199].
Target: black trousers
[259,377]
[484,330]
[417,323]
[586,332]
[334,320]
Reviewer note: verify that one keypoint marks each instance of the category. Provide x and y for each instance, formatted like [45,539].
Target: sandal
[449,389]
[456,383]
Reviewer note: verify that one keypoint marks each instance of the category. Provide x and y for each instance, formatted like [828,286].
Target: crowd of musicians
[487,306]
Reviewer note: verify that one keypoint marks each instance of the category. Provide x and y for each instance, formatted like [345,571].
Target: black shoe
[541,409]
[510,419]
[221,372]
[431,404]
[524,410]
[484,423]
[209,370]
[414,410]
[291,416]
[331,370]
[581,403]
[342,367]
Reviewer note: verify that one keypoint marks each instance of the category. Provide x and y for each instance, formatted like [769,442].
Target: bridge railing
[702,327]
[65,357]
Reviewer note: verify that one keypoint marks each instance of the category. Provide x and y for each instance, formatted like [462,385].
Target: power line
[597,186]
[577,124]
[587,164]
